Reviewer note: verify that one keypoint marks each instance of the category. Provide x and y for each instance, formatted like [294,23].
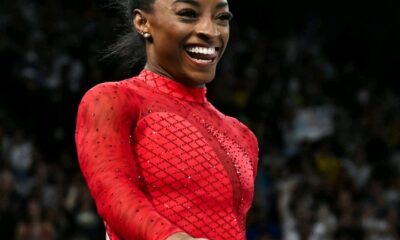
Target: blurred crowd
[329,135]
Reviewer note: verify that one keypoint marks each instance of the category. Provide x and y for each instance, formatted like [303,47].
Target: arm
[183,236]
[106,116]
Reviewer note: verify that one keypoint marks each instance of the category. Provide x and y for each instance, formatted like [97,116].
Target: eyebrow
[197,4]
[191,2]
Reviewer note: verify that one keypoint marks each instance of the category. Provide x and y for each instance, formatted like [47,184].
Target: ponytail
[129,48]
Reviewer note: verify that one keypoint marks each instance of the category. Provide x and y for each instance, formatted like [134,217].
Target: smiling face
[188,38]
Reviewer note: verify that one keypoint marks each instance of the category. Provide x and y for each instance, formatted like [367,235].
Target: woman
[160,161]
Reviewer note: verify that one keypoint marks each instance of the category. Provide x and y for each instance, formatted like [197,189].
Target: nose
[207,28]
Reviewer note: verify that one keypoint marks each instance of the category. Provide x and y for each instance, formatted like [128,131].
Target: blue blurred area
[316,82]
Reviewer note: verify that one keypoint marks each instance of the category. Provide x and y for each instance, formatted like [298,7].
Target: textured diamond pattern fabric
[158,158]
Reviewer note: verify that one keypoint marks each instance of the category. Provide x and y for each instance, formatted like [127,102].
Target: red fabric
[158,158]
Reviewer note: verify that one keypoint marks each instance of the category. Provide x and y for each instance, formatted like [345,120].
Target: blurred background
[315,81]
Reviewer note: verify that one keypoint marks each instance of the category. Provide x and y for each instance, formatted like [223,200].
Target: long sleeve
[158,158]
[106,117]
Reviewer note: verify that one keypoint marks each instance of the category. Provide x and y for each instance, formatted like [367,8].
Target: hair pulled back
[129,48]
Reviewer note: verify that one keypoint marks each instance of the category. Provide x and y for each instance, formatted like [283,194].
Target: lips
[202,55]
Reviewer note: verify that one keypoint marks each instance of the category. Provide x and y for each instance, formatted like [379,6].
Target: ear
[140,21]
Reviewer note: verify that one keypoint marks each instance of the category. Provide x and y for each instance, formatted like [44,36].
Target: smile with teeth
[202,54]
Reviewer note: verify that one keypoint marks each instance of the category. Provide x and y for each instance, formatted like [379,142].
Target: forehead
[195,2]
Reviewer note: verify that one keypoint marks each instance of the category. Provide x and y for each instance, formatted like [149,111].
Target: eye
[226,16]
[187,14]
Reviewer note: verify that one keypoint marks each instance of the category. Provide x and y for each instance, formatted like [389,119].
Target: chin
[202,79]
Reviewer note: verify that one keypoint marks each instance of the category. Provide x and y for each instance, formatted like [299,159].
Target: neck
[161,71]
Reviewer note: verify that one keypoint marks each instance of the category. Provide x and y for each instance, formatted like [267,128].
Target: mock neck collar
[173,88]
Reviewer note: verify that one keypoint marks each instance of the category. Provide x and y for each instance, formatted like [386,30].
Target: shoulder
[243,132]
[108,89]
[109,100]
[111,93]
[247,137]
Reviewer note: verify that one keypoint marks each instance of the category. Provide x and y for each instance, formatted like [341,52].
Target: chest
[181,155]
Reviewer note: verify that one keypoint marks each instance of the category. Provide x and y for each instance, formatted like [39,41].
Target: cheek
[166,41]
[224,33]
[171,37]
[225,36]
[164,30]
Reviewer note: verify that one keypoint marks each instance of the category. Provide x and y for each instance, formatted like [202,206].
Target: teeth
[202,60]
[202,50]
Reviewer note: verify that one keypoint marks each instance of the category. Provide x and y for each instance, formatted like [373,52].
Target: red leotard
[158,158]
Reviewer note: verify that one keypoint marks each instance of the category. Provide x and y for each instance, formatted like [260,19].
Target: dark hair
[129,48]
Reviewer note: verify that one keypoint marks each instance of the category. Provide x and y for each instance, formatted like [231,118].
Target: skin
[175,25]
[183,236]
